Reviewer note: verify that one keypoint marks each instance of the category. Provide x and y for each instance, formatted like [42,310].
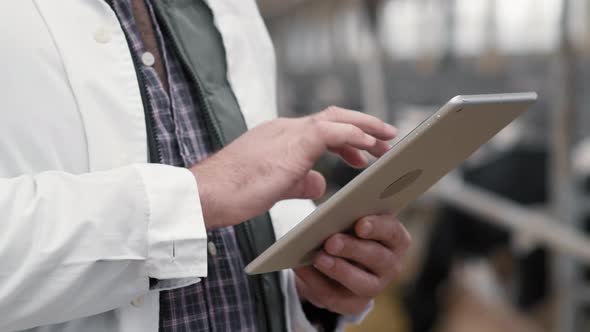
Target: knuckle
[338,269]
[313,133]
[312,123]
[341,271]
[303,143]
[376,252]
[332,111]
[313,118]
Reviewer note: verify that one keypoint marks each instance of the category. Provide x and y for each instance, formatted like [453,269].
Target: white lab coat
[85,221]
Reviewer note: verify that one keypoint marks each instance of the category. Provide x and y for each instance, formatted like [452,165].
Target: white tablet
[411,167]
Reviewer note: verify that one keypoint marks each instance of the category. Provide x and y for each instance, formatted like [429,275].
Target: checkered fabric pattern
[223,301]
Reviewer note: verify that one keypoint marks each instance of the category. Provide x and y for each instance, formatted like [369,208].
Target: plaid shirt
[222,301]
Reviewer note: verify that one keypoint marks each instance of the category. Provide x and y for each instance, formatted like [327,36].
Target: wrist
[212,212]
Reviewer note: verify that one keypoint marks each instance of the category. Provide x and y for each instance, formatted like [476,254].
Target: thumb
[311,186]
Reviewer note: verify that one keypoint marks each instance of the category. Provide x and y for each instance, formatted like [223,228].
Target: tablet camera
[401,183]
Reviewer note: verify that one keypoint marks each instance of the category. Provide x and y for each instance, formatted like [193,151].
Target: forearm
[96,238]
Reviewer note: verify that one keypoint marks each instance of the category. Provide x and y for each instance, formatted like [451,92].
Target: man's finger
[386,229]
[369,254]
[353,157]
[352,277]
[379,149]
[316,288]
[369,124]
[311,186]
[335,135]
[326,293]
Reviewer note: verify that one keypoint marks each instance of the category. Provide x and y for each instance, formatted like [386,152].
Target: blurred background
[502,244]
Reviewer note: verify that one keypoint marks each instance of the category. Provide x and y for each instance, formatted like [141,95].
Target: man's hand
[274,161]
[353,269]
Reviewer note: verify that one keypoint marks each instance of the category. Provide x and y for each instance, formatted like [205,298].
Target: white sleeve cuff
[354,319]
[177,238]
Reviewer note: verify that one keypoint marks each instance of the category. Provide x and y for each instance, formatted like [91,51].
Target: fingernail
[366,229]
[336,246]
[325,262]
[391,129]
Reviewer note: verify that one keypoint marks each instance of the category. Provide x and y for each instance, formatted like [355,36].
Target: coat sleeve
[78,245]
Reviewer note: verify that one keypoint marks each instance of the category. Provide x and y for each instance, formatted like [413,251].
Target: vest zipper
[154,149]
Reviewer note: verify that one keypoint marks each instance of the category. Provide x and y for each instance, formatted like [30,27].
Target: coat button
[138,302]
[212,249]
[103,35]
